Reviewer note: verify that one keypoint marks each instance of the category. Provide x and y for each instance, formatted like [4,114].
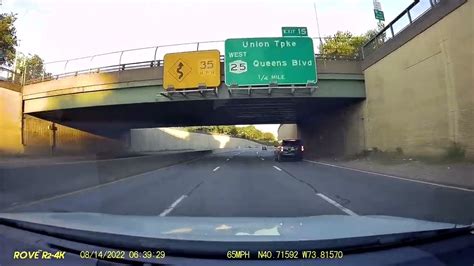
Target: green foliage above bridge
[247,132]
[346,43]
[8,39]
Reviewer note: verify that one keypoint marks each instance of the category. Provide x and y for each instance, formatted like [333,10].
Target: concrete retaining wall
[10,120]
[421,96]
[39,138]
[28,134]
[24,184]
[162,139]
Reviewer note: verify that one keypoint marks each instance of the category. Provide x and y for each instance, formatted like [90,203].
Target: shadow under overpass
[114,121]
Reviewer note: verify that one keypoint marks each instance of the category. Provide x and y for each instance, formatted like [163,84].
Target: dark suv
[290,148]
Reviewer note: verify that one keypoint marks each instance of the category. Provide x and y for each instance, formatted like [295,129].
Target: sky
[64,29]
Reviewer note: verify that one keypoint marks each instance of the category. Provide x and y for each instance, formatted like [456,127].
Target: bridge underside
[109,104]
[112,121]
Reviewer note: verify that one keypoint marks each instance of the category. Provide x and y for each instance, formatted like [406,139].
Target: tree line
[345,43]
[26,66]
[247,132]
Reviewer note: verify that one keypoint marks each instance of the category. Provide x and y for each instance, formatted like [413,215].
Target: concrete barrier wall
[338,66]
[24,184]
[40,138]
[421,96]
[26,134]
[162,139]
[10,120]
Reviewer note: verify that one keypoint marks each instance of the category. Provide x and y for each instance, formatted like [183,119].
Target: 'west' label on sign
[191,69]
[261,61]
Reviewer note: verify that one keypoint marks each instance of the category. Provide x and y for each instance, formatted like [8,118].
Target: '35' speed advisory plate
[191,69]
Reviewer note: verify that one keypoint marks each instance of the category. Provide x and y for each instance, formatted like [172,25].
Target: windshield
[346,114]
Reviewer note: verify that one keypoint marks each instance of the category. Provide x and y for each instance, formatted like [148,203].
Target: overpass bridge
[411,90]
[132,95]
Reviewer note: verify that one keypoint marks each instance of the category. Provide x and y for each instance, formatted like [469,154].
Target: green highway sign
[294,31]
[261,61]
[379,15]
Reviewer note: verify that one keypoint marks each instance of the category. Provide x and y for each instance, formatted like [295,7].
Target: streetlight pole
[17,53]
[317,24]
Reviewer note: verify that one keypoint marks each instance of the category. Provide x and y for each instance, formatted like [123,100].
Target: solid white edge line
[173,205]
[392,176]
[215,169]
[276,167]
[339,206]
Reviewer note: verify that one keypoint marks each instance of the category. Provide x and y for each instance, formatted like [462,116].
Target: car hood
[324,227]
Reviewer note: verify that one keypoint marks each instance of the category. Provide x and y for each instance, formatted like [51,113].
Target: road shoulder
[458,175]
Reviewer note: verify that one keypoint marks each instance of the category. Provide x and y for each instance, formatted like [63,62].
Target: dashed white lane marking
[215,169]
[392,176]
[337,205]
[227,159]
[262,159]
[277,168]
[173,205]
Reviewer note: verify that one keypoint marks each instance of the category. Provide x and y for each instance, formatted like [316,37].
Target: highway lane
[145,194]
[248,182]
[248,186]
[371,194]
[237,183]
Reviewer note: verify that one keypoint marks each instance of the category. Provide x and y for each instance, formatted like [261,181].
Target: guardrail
[407,17]
[7,74]
[153,55]
[149,64]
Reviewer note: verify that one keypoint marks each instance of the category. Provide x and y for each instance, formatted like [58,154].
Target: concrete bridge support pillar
[334,133]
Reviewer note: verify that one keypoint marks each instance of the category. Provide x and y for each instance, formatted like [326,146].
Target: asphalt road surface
[248,182]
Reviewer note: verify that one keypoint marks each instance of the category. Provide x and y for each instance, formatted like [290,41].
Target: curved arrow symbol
[178,70]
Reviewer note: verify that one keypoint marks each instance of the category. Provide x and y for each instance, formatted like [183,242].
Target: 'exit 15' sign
[294,31]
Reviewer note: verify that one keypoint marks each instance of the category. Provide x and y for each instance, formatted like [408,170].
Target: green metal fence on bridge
[407,17]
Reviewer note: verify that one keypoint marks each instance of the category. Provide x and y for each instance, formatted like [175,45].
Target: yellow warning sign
[190,69]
